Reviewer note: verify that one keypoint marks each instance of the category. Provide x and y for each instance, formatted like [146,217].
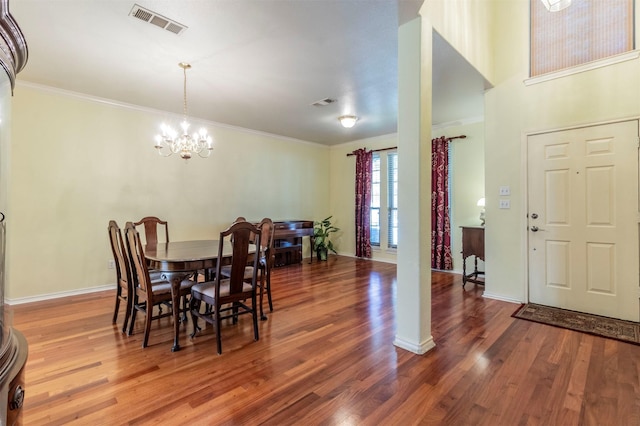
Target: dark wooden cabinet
[472,245]
[288,240]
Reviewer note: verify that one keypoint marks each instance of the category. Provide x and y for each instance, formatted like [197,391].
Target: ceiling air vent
[147,15]
[323,102]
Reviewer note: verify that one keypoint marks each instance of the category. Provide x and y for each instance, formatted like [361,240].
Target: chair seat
[208,289]
[155,275]
[164,287]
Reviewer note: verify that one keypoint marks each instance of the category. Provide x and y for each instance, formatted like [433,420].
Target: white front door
[583,219]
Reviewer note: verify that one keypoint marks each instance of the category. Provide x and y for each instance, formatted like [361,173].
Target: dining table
[177,260]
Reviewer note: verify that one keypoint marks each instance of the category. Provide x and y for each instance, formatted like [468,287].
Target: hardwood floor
[325,356]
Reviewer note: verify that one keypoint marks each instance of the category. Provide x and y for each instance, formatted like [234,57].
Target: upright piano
[287,242]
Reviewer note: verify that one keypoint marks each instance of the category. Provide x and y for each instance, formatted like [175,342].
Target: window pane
[392,202]
[375,181]
[393,228]
[375,200]
[375,226]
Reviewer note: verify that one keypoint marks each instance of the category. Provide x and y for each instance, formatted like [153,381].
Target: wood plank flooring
[325,357]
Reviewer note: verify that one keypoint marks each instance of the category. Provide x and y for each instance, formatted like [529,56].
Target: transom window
[586,31]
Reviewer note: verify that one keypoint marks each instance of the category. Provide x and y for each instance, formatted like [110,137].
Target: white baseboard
[40,298]
[420,349]
[502,298]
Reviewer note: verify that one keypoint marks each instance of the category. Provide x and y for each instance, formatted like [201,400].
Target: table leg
[464,271]
[475,267]
[175,278]
[311,243]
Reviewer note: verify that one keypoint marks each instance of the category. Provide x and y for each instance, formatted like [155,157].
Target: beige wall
[512,110]
[467,182]
[77,163]
[467,26]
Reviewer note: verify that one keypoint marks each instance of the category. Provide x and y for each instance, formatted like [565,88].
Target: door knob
[534,229]
[534,215]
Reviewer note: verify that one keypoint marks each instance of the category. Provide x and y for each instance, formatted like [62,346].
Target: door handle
[536,229]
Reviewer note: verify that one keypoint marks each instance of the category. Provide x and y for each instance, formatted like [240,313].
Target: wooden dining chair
[145,294]
[232,296]
[151,225]
[123,273]
[267,260]
[125,280]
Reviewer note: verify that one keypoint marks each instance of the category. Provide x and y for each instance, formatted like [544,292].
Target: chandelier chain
[184,71]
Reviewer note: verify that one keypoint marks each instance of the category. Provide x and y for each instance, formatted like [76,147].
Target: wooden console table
[472,245]
[288,240]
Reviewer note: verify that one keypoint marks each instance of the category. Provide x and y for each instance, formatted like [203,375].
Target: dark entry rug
[625,331]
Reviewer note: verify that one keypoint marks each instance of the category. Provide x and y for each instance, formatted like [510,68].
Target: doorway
[583,219]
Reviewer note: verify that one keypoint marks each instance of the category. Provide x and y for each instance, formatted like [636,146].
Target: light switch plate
[505,190]
[505,204]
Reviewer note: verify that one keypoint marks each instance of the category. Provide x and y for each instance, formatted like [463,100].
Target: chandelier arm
[162,147]
[207,155]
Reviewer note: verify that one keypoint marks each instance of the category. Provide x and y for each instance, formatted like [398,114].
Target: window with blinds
[586,31]
[384,198]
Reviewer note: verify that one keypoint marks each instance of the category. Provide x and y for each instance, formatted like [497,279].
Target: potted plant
[321,242]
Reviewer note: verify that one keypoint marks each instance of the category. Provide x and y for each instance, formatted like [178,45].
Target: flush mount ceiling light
[348,121]
[171,142]
[556,5]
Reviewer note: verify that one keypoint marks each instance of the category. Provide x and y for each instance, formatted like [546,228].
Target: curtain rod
[374,150]
[395,147]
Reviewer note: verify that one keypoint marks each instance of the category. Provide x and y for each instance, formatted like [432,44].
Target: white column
[413,298]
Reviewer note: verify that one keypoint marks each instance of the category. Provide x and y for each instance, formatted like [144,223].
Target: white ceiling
[257,64]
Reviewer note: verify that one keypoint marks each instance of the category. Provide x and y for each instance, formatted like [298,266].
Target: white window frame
[384,202]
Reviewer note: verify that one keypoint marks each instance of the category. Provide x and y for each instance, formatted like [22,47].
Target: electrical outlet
[505,204]
[111,264]
[505,190]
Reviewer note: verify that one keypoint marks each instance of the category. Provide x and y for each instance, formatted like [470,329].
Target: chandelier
[171,142]
[556,5]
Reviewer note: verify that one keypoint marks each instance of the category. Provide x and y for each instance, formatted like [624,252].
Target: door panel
[583,219]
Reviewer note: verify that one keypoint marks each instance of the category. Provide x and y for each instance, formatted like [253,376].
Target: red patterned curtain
[363,202]
[440,227]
